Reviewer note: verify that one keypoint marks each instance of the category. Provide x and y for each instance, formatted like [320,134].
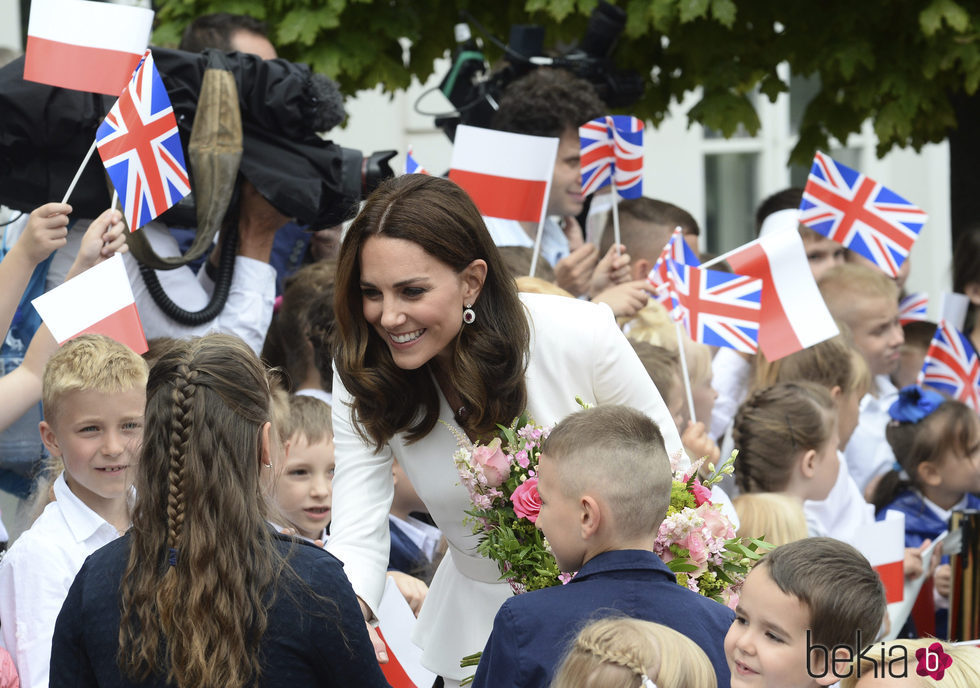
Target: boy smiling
[802,602]
[94,392]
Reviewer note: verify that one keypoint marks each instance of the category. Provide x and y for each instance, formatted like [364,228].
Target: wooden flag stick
[615,214]
[686,377]
[537,245]
[78,174]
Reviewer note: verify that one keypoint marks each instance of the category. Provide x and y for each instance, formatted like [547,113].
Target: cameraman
[248,310]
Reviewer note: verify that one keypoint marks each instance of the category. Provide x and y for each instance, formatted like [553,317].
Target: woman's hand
[380,651]
[411,588]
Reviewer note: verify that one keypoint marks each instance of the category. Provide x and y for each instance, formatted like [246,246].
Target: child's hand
[625,299]
[104,237]
[613,268]
[943,580]
[45,233]
[411,588]
[697,443]
[913,560]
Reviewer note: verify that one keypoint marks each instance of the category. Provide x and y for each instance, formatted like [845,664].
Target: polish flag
[883,543]
[86,46]
[507,175]
[395,625]
[794,315]
[98,301]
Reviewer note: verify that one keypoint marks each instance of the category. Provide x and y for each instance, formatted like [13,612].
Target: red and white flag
[794,315]
[98,301]
[395,625]
[86,46]
[507,175]
[883,543]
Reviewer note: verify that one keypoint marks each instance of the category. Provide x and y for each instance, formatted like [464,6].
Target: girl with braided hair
[632,653]
[201,592]
[787,440]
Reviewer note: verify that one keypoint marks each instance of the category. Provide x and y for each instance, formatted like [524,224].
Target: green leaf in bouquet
[681,567]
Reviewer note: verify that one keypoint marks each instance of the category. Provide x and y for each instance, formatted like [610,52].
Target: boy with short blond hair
[866,300]
[604,480]
[93,395]
[805,611]
[302,487]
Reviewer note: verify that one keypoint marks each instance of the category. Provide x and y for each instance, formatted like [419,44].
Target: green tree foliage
[894,61]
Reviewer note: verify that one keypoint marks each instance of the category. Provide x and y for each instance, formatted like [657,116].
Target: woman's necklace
[460,411]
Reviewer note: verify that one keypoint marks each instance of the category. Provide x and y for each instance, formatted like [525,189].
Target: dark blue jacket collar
[624,560]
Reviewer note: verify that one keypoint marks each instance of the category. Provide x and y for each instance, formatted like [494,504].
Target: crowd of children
[182,529]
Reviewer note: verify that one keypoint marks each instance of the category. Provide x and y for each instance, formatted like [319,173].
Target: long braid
[598,646]
[181,425]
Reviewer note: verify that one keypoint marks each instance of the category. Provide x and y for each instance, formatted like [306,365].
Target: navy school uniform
[308,641]
[405,555]
[532,632]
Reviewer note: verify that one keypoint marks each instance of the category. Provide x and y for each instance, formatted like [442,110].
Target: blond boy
[604,483]
[303,480]
[93,395]
[866,301]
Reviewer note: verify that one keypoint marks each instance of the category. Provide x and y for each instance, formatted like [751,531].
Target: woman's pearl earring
[468,315]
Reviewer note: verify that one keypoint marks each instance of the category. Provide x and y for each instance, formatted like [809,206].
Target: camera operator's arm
[248,310]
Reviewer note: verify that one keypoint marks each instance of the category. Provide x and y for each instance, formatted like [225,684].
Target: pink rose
[716,522]
[694,544]
[526,500]
[701,493]
[496,464]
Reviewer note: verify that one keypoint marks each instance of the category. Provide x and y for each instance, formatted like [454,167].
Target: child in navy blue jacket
[604,480]
[937,444]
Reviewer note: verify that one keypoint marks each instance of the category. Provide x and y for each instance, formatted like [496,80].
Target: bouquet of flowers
[696,540]
[501,478]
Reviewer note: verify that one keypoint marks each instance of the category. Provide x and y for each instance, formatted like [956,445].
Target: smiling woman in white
[430,328]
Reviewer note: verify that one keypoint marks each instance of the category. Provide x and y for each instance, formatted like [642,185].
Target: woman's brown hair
[194,595]
[773,426]
[489,356]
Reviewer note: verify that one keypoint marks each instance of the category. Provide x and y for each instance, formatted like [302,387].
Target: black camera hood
[46,131]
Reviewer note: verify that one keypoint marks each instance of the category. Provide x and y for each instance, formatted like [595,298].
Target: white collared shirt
[868,452]
[844,513]
[35,575]
[424,536]
[321,394]
[554,243]
[247,312]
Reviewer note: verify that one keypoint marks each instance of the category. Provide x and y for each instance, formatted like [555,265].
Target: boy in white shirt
[866,300]
[94,393]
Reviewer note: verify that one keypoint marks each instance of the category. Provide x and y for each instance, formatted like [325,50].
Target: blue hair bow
[914,403]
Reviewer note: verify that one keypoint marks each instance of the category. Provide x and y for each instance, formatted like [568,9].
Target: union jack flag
[913,308]
[952,366]
[858,212]
[140,147]
[717,308]
[411,164]
[612,149]
[678,251]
